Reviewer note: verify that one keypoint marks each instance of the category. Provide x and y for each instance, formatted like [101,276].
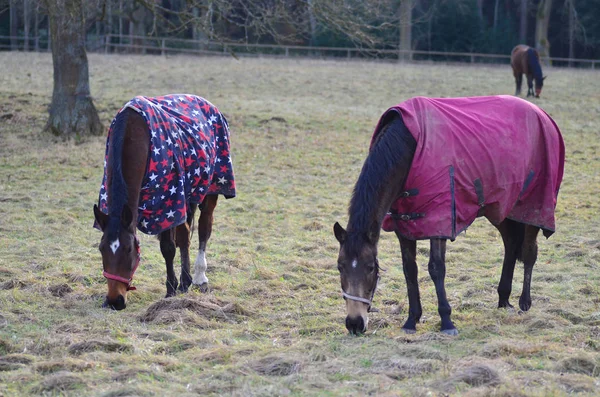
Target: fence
[167,45]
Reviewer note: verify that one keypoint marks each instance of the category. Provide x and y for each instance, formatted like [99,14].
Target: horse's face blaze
[118,258]
[359,273]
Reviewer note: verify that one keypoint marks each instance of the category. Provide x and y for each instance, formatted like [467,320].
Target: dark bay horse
[165,156]
[526,60]
[434,166]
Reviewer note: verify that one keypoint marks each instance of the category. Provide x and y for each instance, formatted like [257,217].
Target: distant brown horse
[526,60]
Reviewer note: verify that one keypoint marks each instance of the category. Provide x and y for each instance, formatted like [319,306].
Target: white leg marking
[200,269]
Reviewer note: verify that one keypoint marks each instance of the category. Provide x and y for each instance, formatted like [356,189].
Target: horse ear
[544,78]
[101,217]
[373,232]
[126,217]
[340,233]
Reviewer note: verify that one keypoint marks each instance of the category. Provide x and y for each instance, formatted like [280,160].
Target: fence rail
[168,45]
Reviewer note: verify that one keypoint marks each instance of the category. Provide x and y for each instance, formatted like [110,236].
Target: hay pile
[170,309]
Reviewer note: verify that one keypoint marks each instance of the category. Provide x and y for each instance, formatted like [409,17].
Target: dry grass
[273,322]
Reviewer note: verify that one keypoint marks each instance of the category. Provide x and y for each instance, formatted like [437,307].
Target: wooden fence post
[162,47]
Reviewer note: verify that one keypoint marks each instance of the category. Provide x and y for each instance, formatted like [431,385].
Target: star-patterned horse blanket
[189,158]
[496,156]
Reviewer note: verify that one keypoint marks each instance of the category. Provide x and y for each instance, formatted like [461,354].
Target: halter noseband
[123,279]
[361,299]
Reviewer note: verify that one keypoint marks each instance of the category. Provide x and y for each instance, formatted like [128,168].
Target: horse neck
[127,161]
[381,179]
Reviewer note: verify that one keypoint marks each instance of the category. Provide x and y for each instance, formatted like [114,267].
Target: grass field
[273,322]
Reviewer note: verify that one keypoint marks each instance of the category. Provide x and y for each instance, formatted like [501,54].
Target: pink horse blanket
[496,156]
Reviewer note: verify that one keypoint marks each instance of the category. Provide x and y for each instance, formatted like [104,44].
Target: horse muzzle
[356,325]
[115,304]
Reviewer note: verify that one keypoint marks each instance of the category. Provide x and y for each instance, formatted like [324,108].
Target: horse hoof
[451,332]
[409,331]
[202,287]
[183,289]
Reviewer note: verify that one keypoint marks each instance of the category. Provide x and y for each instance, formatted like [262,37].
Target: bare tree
[72,112]
[541,28]
[14,25]
[405,46]
[26,23]
[523,21]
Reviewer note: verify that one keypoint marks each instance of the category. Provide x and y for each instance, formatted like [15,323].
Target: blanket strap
[406,217]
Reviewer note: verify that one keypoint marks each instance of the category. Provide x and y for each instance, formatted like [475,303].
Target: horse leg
[409,264]
[168,249]
[518,82]
[512,237]
[183,242]
[437,271]
[530,85]
[183,239]
[529,250]
[204,230]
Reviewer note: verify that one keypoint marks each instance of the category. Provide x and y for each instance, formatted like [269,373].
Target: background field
[273,323]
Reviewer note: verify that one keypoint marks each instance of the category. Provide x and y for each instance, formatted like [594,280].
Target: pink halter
[123,279]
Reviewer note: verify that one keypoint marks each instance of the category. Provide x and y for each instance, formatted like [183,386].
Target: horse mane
[393,144]
[118,187]
[534,64]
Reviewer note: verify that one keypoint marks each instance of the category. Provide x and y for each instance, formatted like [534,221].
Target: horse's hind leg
[204,230]
[409,264]
[512,236]
[437,271]
[168,249]
[183,242]
[518,82]
[529,255]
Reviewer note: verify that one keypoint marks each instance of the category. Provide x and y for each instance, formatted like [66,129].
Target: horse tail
[534,64]
[118,187]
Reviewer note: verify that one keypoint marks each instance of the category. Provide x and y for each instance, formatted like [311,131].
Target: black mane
[118,188]
[394,144]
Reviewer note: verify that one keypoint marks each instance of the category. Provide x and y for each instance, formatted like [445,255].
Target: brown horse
[526,60]
[164,157]
[434,166]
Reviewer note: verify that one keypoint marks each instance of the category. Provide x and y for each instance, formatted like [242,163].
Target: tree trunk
[541,29]
[72,112]
[14,25]
[120,21]
[313,23]
[496,15]
[480,12]
[36,27]
[523,22]
[405,30]
[26,24]
[572,17]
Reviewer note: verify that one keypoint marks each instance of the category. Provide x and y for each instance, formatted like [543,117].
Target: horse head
[539,83]
[359,275]
[120,255]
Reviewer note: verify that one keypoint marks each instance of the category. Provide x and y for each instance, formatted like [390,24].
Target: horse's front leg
[409,264]
[168,249]
[437,271]
[529,251]
[204,230]
[530,86]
